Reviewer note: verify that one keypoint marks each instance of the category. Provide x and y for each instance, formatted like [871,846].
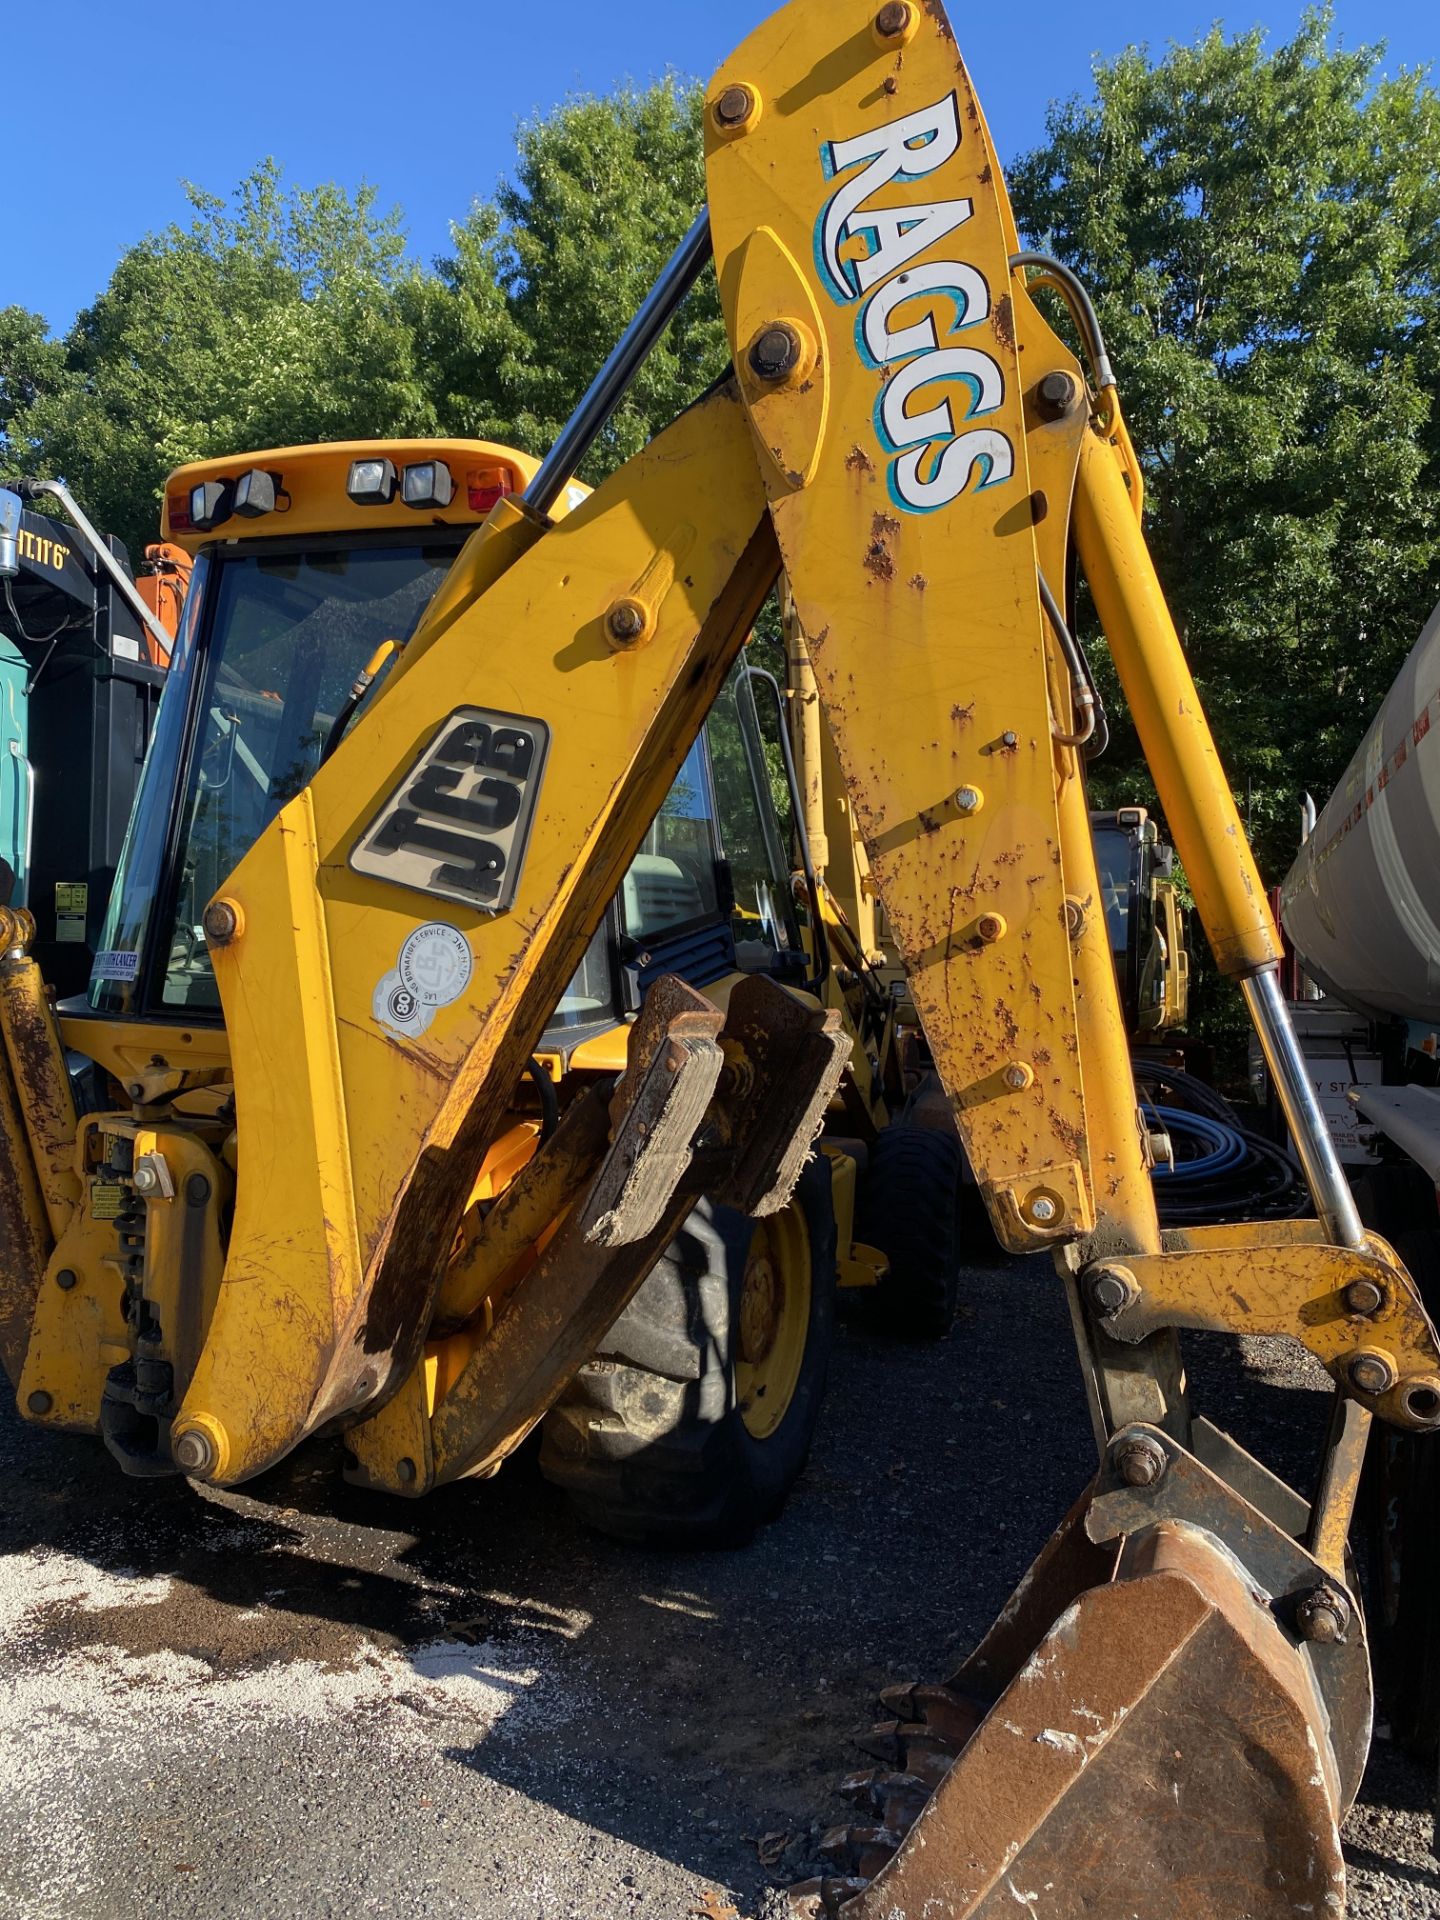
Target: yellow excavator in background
[284,1227]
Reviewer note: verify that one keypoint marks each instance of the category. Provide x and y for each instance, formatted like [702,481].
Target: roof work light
[211,504]
[428,484]
[372,483]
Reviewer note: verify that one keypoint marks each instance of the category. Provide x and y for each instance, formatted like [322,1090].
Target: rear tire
[694,1421]
[908,1210]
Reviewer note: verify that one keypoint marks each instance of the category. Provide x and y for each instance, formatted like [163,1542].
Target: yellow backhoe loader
[297,612]
[284,1226]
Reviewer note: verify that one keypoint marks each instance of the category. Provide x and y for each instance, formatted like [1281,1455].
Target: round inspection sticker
[432,972]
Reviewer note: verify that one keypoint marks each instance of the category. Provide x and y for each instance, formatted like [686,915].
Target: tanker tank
[1361,905]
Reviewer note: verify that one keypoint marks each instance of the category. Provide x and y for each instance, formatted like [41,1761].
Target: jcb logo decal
[936,456]
[458,824]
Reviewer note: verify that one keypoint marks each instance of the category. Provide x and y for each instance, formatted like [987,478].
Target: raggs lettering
[911,315]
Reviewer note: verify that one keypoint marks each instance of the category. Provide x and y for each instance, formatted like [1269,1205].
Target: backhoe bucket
[1143,1732]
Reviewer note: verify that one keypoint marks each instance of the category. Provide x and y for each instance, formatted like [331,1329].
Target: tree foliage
[274,320]
[546,275]
[1261,230]
[294,315]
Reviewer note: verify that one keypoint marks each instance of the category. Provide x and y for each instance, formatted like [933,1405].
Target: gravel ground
[295,1702]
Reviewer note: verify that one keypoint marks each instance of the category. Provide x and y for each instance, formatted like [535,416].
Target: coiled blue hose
[1204,1150]
[1222,1170]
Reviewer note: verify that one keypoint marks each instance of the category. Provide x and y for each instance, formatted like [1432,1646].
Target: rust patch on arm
[1003,321]
[878,558]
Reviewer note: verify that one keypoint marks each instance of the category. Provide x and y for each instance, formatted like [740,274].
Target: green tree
[1262,233]
[283,317]
[546,275]
[31,364]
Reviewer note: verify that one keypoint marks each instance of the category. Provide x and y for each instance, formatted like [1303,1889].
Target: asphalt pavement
[295,1701]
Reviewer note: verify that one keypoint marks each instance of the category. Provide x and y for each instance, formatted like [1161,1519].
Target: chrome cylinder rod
[610,385]
[1329,1189]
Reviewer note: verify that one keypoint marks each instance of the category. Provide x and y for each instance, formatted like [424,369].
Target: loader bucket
[1143,1732]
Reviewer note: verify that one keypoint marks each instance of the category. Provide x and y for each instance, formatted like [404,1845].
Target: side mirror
[9,534]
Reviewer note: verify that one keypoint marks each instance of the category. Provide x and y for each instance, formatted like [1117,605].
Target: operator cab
[708,894]
[288,605]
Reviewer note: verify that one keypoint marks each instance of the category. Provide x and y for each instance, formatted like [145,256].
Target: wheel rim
[774,1323]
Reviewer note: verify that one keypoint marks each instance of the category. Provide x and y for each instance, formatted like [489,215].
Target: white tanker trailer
[1361,907]
[1362,903]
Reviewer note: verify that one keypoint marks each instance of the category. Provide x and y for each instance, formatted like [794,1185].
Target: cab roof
[310,489]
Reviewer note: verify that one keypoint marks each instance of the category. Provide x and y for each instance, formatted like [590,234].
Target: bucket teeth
[823,1899]
[895,1799]
[950,1714]
[909,1746]
[860,1851]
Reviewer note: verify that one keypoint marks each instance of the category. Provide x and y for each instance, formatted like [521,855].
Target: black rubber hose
[549,1099]
[1254,1180]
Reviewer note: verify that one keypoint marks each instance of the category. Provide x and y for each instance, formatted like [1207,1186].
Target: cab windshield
[274,638]
[1114,858]
[277,646]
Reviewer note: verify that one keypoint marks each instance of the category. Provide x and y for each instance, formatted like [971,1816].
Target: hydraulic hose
[549,1099]
[1222,1170]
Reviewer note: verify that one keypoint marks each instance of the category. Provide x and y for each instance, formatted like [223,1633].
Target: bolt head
[626,622]
[221,921]
[407,1472]
[1009,741]
[1018,1078]
[1056,395]
[991,927]
[147,1180]
[776,353]
[735,108]
[39,1403]
[1364,1297]
[895,20]
[1139,1460]
[1323,1616]
[193,1452]
[67,1278]
[1372,1372]
[1043,1210]
[969,800]
[1113,1289]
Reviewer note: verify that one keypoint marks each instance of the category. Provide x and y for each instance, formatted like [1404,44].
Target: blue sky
[118,101]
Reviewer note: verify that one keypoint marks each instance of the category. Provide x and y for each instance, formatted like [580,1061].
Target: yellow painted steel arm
[360,1143]
[1199,807]
[858,212]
